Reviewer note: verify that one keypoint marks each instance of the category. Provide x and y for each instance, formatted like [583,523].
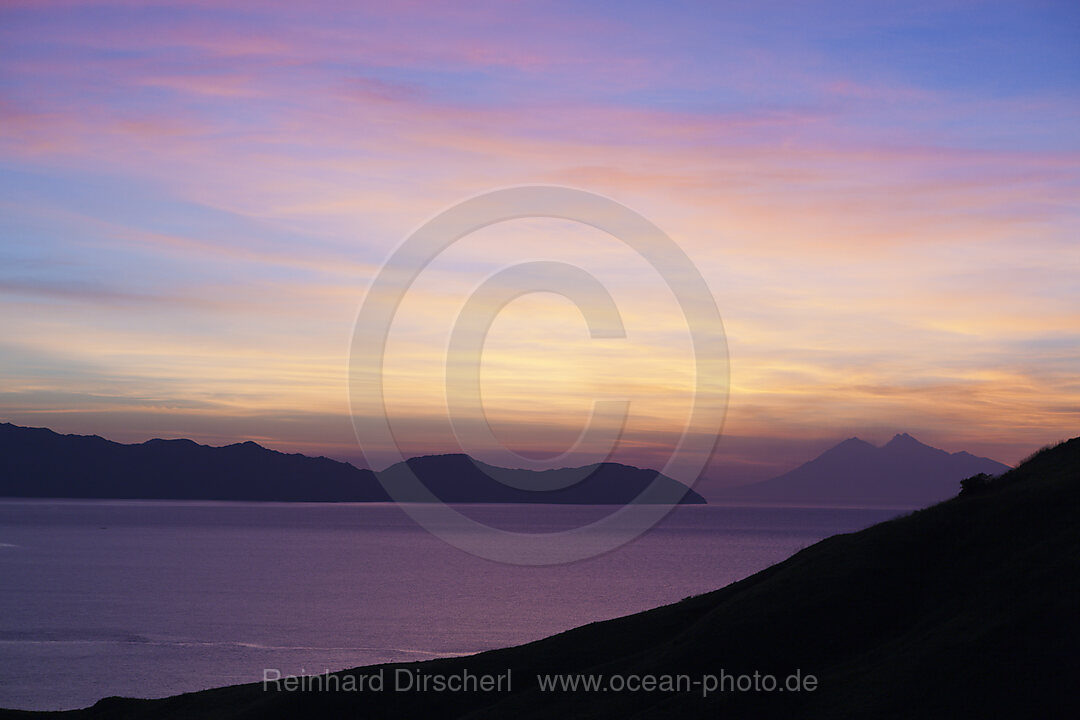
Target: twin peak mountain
[903,472]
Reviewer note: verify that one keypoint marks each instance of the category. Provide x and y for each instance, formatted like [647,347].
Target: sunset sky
[883,197]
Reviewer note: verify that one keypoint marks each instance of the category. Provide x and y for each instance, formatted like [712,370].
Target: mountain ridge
[41,463]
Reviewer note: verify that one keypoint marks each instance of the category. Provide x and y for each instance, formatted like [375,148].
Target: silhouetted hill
[37,462]
[455,478]
[903,472]
[963,610]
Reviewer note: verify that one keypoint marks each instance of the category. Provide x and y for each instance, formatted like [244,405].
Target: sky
[882,197]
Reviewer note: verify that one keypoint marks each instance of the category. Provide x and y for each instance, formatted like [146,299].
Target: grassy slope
[965,609]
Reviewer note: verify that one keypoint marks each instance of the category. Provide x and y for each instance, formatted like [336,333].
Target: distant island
[964,609]
[40,463]
[904,472]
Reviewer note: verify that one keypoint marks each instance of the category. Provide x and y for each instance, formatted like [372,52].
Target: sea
[155,598]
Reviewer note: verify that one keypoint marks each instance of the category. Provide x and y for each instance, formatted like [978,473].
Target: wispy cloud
[195,198]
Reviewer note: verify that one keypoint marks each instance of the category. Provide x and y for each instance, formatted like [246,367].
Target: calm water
[154,598]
